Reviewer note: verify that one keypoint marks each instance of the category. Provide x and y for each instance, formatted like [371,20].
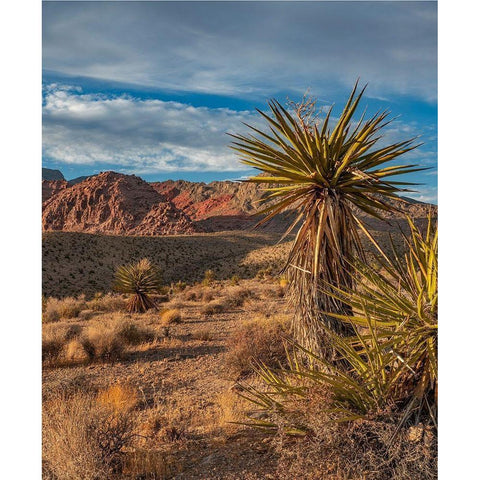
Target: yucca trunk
[139,303]
[310,272]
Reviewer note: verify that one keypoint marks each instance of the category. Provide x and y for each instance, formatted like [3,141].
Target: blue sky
[151,88]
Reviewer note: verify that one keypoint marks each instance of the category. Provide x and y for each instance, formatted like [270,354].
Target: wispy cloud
[247,48]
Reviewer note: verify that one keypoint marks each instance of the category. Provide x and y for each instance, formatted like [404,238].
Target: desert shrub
[73,331]
[53,339]
[190,295]
[214,307]
[257,341]
[82,438]
[179,286]
[107,303]
[206,295]
[234,280]
[65,308]
[119,397]
[208,278]
[73,352]
[132,334]
[199,294]
[204,334]
[139,280]
[102,340]
[235,297]
[170,316]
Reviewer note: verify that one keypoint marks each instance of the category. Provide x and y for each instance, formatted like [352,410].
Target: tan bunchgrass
[83,439]
[170,316]
[119,397]
[64,308]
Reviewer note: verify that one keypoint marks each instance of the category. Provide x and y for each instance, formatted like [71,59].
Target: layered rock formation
[125,204]
[116,204]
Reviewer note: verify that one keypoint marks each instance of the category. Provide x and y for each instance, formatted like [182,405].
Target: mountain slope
[125,204]
[116,204]
[49,174]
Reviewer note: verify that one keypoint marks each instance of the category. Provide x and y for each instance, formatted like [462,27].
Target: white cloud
[142,136]
[147,136]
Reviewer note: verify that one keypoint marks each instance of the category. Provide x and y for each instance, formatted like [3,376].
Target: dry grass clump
[358,449]
[56,309]
[204,334]
[132,334]
[107,339]
[170,316]
[198,293]
[121,398]
[236,296]
[258,340]
[73,352]
[55,337]
[82,438]
[107,303]
[214,307]
[102,339]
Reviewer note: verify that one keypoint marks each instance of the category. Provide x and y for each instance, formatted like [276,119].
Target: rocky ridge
[115,204]
[127,205]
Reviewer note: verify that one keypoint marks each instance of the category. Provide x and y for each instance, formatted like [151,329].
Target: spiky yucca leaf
[139,279]
[322,173]
[391,358]
[401,299]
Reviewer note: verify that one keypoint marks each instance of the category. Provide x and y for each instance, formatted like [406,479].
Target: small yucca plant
[140,280]
[391,360]
[322,174]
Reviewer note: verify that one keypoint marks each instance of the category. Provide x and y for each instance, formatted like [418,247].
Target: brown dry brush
[82,438]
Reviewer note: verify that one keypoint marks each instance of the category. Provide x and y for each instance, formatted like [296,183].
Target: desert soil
[185,389]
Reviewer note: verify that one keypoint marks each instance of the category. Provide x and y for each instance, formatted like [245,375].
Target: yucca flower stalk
[140,280]
[322,174]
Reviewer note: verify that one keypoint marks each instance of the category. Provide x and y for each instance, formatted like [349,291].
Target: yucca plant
[391,358]
[399,296]
[323,174]
[140,280]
